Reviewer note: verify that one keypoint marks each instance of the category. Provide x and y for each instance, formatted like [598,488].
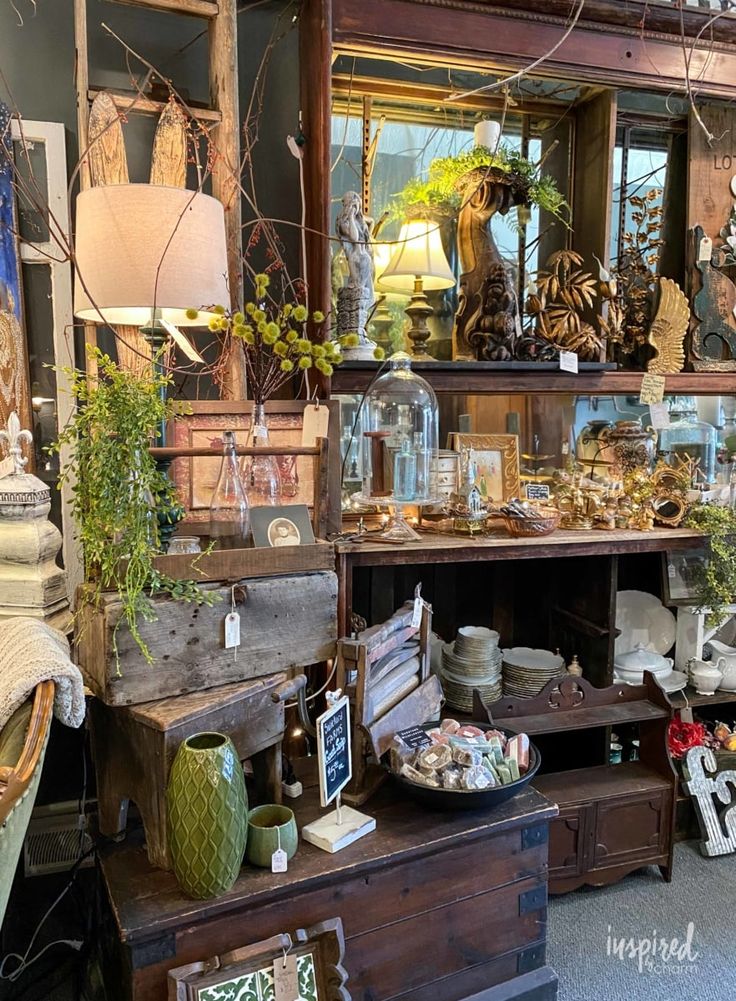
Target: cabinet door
[567,841]
[627,829]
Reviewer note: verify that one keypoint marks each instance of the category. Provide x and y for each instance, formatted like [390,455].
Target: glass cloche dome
[400,442]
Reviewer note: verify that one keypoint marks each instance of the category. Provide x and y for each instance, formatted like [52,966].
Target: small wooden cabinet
[613,818]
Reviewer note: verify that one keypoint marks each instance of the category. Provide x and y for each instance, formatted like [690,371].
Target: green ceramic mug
[270,827]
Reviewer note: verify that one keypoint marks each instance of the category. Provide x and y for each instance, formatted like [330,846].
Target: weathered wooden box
[285,622]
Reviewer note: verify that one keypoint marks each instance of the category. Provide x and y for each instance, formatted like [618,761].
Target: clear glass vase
[262,476]
[229,513]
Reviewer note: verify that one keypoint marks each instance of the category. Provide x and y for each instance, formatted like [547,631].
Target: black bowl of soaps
[450,765]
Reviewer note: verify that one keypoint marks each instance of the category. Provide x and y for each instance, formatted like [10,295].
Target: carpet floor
[587,926]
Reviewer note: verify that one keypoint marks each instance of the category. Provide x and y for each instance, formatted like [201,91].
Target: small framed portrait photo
[288,525]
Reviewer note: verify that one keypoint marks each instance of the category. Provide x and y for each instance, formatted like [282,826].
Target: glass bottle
[262,478]
[422,457]
[405,473]
[726,441]
[229,515]
[686,436]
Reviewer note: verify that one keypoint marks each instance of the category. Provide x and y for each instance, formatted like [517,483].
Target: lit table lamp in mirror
[418,266]
[383,319]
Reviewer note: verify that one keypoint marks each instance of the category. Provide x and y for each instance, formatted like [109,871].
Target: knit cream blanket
[31,652]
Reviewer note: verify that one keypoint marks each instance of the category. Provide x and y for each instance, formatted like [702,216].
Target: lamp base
[419,312]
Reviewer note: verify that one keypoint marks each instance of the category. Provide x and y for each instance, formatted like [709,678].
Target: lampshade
[140,246]
[418,254]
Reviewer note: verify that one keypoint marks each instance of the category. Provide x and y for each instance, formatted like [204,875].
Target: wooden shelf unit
[481,378]
[613,818]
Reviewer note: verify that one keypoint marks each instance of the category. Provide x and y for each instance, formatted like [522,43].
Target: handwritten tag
[416,615]
[6,466]
[279,861]
[568,362]
[705,249]
[659,415]
[286,979]
[652,389]
[232,630]
[316,421]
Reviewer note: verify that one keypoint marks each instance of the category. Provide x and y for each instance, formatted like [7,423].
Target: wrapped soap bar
[504,773]
[401,754]
[496,735]
[513,767]
[467,757]
[490,765]
[518,748]
[469,731]
[478,778]
[452,778]
[434,758]
[449,726]
[438,737]
[411,773]
[494,749]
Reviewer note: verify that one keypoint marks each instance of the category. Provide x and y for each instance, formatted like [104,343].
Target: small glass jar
[687,437]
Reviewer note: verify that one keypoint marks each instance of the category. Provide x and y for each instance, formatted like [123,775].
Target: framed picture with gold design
[496,458]
[308,966]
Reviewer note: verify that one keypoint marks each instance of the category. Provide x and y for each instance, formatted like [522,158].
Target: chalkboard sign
[415,736]
[333,750]
[537,491]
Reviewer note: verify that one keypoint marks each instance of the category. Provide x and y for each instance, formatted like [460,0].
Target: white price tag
[232,630]
[652,389]
[316,420]
[659,415]
[286,979]
[416,617]
[686,715]
[279,861]
[568,361]
[705,249]
[6,466]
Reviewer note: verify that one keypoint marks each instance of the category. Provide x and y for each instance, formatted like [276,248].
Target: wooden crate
[286,622]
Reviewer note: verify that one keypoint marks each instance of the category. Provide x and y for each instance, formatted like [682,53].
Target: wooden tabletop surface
[499,544]
[147,901]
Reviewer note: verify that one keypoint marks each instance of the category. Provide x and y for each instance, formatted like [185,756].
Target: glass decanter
[229,514]
[262,476]
[686,437]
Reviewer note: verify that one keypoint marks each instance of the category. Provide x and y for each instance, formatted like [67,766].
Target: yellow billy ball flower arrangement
[275,341]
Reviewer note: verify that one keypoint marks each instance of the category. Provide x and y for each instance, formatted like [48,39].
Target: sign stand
[343,825]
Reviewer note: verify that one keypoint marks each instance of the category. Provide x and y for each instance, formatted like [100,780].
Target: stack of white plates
[472,661]
[527,671]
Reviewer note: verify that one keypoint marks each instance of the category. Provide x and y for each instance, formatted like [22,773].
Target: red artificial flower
[682,736]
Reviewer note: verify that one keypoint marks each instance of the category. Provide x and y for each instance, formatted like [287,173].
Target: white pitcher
[727,665]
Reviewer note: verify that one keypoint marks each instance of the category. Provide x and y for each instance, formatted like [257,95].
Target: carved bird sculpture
[668,329]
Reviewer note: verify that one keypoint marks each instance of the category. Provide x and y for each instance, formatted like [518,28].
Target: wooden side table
[134,747]
[433,904]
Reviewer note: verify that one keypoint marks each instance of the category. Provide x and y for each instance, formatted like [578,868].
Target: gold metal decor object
[578,502]
[668,329]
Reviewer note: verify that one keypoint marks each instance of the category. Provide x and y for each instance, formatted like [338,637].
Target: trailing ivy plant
[715,580]
[116,488]
[439,192]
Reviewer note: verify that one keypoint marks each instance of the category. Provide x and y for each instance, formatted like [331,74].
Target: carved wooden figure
[703,784]
[668,329]
[487,324]
[714,338]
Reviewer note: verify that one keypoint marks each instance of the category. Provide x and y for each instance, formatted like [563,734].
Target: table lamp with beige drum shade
[418,266]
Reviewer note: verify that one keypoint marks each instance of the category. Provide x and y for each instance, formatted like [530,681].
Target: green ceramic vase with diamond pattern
[208,815]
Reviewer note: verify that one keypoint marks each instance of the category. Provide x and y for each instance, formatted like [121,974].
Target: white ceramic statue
[355,299]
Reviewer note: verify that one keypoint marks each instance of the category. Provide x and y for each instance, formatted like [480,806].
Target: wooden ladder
[222,117]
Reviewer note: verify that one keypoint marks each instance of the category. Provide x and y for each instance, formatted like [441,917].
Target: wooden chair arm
[19,776]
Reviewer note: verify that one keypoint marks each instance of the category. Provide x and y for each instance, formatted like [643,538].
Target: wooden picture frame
[195,477]
[497,459]
[678,581]
[249,970]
